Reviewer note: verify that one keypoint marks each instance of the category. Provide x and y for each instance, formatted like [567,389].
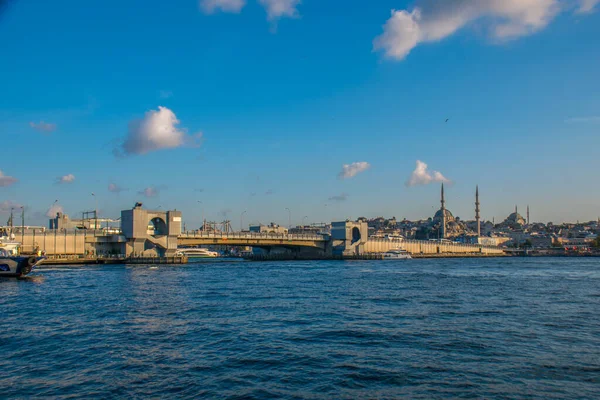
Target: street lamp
[242,221]
[95,213]
[202,215]
[23,226]
[289,218]
[303,218]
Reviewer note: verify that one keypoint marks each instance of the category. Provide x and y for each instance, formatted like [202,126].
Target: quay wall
[428,247]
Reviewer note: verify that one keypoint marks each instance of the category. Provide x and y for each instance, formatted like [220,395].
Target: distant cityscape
[516,230]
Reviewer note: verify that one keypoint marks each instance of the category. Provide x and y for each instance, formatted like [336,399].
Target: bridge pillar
[150,233]
[349,238]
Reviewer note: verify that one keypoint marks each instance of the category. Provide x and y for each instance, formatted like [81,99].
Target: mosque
[450,226]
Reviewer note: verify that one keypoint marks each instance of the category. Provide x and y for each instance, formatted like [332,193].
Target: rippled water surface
[501,328]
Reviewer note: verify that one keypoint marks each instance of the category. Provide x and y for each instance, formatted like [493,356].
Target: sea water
[444,328]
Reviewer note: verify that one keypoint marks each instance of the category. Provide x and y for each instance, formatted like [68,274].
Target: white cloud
[422,176]
[6,180]
[165,94]
[432,20]
[53,210]
[351,170]
[70,178]
[43,127]
[280,8]
[8,205]
[587,6]
[591,119]
[231,6]
[113,187]
[339,197]
[150,192]
[157,130]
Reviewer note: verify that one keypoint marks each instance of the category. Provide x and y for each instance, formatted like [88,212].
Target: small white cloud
[7,205]
[229,6]
[432,21]
[150,192]
[70,178]
[114,188]
[351,170]
[157,130]
[53,210]
[277,9]
[339,197]
[165,94]
[575,120]
[587,6]
[43,127]
[6,180]
[422,176]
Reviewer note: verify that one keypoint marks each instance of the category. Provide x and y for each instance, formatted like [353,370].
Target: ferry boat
[11,264]
[198,253]
[397,254]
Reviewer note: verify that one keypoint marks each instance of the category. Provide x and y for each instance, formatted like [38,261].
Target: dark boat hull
[17,267]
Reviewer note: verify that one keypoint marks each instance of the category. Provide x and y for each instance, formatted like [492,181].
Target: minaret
[516,212]
[477,210]
[527,214]
[443,201]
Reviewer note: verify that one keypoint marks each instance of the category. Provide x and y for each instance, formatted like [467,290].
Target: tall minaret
[443,201]
[527,214]
[477,210]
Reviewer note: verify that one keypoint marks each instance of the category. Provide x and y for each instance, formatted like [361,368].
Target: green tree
[596,243]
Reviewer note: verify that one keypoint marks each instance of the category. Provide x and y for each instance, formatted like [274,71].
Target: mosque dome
[439,216]
[515,218]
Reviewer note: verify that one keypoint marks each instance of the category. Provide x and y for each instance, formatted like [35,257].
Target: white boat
[397,254]
[9,245]
[11,264]
[198,253]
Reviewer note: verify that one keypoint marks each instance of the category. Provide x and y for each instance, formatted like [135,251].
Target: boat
[11,264]
[197,252]
[397,254]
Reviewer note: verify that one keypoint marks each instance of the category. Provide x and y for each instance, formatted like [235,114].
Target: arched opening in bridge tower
[157,227]
[355,235]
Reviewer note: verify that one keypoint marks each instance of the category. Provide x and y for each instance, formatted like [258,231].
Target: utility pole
[23,226]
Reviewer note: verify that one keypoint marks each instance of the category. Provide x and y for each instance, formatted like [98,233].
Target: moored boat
[17,266]
[197,253]
[12,265]
[397,254]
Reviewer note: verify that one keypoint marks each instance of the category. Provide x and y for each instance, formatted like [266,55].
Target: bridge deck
[251,239]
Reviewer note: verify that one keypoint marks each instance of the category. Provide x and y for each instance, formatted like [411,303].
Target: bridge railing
[251,235]
[433,242]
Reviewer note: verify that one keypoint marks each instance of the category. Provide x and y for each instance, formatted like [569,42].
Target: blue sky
[283,102]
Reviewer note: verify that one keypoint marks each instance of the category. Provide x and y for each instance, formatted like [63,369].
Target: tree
[596,242]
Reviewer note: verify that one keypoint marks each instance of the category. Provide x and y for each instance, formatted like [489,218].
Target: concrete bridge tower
[150,233]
